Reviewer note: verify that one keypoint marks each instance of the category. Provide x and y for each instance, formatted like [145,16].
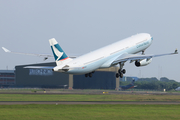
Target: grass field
[74,97]
[89,112]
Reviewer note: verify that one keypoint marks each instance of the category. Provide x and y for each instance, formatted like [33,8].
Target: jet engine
[143,62]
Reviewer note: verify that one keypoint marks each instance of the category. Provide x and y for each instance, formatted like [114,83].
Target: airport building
[101,79]
[7,78]
[39,77]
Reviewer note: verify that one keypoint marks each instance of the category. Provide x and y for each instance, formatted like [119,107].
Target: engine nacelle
[143,62]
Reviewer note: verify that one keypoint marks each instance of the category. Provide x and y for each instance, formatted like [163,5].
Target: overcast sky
[82,26]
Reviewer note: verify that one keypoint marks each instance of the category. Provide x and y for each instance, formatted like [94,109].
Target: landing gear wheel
[86,75]
[90,74]
[117,75]
[121,75]
[119,71]
[123,71]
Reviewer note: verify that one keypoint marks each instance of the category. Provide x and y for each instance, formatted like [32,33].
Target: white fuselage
[103,57]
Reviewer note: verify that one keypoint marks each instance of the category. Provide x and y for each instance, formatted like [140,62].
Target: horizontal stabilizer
[40,67]
[72,68]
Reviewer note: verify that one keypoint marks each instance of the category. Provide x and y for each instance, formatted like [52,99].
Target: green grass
[89,112]
[74,97]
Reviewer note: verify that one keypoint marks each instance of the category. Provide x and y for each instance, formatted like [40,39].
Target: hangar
[7,78]
[101,79]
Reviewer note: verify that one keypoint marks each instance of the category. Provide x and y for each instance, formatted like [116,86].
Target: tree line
[153,83]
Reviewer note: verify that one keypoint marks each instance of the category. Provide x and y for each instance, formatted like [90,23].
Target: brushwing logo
[57,53]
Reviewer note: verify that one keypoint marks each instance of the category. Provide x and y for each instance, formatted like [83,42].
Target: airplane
[130,86]
[114,54]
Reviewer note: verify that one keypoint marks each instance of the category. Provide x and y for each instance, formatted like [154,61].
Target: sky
[81,26]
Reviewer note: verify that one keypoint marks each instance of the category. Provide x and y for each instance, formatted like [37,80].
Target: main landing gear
[120,71]
[89,74]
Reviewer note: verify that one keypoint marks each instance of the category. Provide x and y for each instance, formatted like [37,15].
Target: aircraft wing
[134,57]
[46,56]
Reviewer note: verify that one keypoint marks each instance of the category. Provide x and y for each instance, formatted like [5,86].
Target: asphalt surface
[87,102]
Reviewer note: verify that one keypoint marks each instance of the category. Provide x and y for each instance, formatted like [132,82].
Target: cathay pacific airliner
[114,54]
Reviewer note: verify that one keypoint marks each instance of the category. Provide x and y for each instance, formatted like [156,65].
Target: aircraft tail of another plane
[59,55]
[132,83]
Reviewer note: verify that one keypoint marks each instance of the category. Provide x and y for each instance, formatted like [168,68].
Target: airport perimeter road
[85,102]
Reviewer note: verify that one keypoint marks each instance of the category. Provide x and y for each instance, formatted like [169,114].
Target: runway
[89,102]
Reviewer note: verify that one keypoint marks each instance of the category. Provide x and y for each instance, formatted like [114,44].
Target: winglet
[176,51]
[6,50]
